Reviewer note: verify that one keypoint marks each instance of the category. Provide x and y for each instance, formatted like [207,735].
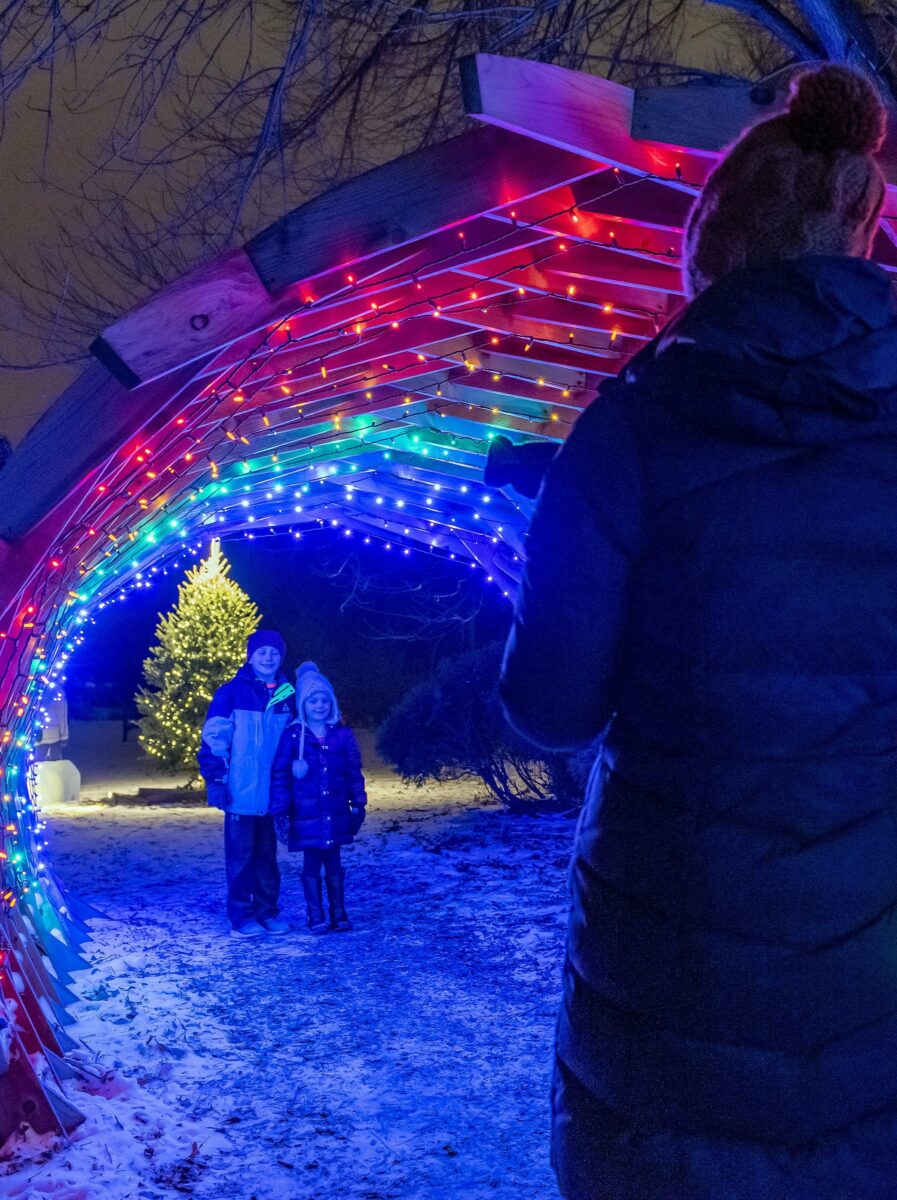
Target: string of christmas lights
[181,476]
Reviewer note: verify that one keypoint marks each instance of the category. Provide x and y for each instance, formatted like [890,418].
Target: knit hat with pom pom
[804,182]
[308,680]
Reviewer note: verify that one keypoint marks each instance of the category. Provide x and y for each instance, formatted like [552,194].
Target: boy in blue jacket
[239,738]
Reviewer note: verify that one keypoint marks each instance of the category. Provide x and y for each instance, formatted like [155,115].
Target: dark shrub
[452,727]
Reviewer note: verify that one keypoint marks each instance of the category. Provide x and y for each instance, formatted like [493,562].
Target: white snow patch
[407,1059]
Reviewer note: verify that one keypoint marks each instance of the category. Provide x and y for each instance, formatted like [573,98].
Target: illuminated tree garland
[199,645]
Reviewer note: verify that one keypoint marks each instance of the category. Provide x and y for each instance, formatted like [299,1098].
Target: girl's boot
[314,903]
[336,893]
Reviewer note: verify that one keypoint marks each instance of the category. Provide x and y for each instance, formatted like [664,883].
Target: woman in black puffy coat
[317,776]
[711,585]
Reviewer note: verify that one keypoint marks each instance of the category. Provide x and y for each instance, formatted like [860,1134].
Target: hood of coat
[797,353]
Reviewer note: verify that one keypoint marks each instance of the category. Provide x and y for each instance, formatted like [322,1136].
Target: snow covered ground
[109,765]
[407,1059]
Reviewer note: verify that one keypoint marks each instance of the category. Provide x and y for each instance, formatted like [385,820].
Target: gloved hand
[300,768]
[218,796]
[356,818]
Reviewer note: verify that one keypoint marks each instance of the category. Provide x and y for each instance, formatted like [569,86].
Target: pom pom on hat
[834,109]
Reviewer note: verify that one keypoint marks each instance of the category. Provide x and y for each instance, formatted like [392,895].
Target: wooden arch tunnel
[348,366]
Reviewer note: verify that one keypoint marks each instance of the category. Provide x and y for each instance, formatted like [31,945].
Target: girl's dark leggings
[328,859]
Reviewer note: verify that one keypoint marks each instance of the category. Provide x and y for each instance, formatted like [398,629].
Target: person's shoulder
[229,690]
[224,692]
[601,442]
[240,679]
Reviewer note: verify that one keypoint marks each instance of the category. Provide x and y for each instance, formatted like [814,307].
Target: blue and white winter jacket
[239,739]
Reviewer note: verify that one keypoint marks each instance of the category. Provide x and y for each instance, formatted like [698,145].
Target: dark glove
[218,796]
[282,828]
[356,818]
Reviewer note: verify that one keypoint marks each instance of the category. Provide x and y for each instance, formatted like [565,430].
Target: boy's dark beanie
[265,637]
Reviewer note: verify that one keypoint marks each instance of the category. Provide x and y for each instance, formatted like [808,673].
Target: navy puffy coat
[712,582]
[320,804]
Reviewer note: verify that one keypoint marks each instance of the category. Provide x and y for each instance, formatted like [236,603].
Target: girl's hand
[356,818]
[300,768]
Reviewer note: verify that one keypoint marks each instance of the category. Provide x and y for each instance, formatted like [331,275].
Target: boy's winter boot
[336,893]
[314,903]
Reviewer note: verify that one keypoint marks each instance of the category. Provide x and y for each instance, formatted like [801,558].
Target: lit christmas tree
[199,645]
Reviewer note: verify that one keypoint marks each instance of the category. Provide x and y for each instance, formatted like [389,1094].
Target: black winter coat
[712,569]
[326,807]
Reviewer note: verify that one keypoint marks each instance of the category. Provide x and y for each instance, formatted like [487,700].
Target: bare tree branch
[200,121]
[803,47]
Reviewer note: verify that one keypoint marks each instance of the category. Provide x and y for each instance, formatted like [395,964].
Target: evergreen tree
[199,645]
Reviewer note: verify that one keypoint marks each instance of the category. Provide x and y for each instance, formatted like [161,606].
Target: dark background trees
[138,138]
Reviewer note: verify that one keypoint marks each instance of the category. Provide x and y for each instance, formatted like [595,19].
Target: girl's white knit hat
[309,679]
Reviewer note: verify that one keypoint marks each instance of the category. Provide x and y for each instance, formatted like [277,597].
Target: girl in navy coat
[317,778]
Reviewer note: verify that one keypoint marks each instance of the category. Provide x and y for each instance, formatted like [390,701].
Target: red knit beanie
[804,182]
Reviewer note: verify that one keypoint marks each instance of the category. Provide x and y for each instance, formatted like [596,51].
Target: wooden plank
[298,308]
[513,398]
[582,313]
[648,131]
[362,394]
[91,418]
[538,357]
[708,117]
[656,306]
[609,312]
[467,421]
[595,231]
[647,204]
[573,111]
[389,278]
[641,242]
[509,320]
[705,116]
[202,311]
[596,263]
[384,347]
[523,369]
[417,194]
[330,322]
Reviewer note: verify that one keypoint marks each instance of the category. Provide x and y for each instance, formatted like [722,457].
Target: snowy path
[408,1059]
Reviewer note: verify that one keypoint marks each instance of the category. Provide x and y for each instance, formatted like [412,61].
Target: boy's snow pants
[253,877]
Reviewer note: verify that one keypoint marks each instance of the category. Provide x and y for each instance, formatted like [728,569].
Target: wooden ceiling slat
[406,199]
[573,111]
